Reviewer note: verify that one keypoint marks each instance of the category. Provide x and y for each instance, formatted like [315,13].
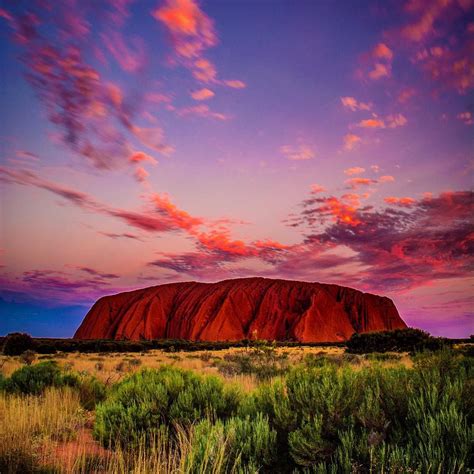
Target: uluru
[237,309]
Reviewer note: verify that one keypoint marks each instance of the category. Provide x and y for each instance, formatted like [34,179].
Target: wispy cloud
[202,94]
[298,152]
[351,140]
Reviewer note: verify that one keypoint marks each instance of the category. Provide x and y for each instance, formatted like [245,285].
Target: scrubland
[241,410]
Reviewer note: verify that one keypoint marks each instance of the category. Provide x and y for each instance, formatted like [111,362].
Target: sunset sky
[146,142]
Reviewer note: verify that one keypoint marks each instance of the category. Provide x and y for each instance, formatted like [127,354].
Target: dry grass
[112,367]
[52,433]
[31,426]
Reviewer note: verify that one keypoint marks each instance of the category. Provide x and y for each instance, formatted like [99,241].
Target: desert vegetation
[260,408]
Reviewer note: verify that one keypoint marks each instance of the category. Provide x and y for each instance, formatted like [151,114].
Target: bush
[28,357]
[376,419]
[245,445]
[16,343]
[150,400]
[262,361]
[91,392]
[400,340]
[33,379]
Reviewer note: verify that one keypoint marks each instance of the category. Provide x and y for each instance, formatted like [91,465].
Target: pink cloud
[352,104]
[380,70]
[397,120]
[130,58]
[141,174]
[355,183]
[386,179]
[202,94]
[91,115]
[403,201]
[354,170]
[382,51]
[351,141]
[372,123]
[299,152]
[235,84]
[140,156]
[316,189]
[202,110]
[406,94]
[465,117]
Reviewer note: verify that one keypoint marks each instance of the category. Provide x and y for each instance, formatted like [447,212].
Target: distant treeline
[50,346]
[400,340]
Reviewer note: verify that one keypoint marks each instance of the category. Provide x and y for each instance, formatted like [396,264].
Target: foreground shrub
[399,340]
[91,392]
[151,401]
[244,444]
[34,379]
[337,419]
[16,343]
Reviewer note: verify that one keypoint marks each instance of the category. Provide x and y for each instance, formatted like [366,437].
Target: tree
[16,343]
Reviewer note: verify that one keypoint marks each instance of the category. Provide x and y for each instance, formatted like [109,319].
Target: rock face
[239,309]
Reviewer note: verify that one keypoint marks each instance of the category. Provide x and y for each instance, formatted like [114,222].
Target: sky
[146,142]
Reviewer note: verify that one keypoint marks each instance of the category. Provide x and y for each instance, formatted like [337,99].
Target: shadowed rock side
[240,309]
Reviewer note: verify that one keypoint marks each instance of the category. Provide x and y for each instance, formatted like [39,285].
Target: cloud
[191,29]
[355,183]
[403,201]
[130,58]
[97,273]
[382,51]
[450,64]
[124,235]
[351,141]
[235,84]
[141,174]
[397,120]
[380,70]
[354,170]
[431,239]
[386,179]
[192,33]
[298,153]
[92,117]
[202,110]
[140,156]
[372,123]
[391,121]
[406,94]
[64,286]
[316,189]
[26,155]
[465,117]
[202,94]
[352,104]
[418,30]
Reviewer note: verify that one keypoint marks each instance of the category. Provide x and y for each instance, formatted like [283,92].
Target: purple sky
[145,142]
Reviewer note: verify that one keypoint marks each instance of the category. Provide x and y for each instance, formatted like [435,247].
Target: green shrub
[33,379]
[91,392]
[262,361]
[380,419]
[16,343]
[248,445]
[399,340]
[143,402]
